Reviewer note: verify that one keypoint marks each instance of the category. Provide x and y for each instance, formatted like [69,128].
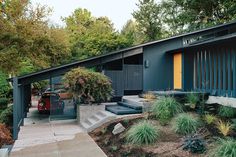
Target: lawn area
[172,129]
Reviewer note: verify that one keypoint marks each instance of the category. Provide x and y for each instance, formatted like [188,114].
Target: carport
[22,84]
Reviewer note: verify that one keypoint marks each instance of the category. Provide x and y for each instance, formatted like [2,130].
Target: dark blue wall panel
[159,73]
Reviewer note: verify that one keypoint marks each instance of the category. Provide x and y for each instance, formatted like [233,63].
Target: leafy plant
[192,99]
[194,144]
[224,127]
[225,148]
[6,117]
[3,103]
[5,135]
[226,111]
[209,119]
[185,124]
[89,85]
[165,108]
[142,133]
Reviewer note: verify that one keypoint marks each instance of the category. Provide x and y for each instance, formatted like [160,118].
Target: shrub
[194,144]
[185,124]
[226,111]
[224,127]
[6,117]
[3,103]
[192,99]
[5,135]
[209,119]
[225,148]
[142,133]
[89,85]
[165,109]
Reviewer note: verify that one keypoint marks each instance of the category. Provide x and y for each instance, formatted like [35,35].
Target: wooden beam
[219,73]
[203,81]
[215,69]
[234,72]
[229,70]
[210,70]
[224,72]
[207,82]
[199,69]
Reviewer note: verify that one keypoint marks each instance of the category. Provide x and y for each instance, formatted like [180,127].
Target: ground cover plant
[192,99]
[225,148]
[185,124]
[165,108]
[226,111]
[143,133]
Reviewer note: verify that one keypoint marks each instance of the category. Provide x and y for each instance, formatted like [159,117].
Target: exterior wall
[215,70]
[188,70]
[159,73]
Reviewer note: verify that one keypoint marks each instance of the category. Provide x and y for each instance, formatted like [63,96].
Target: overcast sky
[118,11]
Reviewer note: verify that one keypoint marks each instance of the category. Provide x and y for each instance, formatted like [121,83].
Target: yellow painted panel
[178,71]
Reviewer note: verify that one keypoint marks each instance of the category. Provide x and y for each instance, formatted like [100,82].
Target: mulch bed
[168,145]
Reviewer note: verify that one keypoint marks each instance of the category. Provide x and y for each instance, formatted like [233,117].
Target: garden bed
[169,143]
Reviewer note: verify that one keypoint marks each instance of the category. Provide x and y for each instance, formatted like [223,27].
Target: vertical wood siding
[130,78]
[215,71]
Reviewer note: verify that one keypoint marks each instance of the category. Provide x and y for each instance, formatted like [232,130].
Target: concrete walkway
[41,138]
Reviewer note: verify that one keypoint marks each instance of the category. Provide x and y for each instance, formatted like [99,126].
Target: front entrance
[178,70]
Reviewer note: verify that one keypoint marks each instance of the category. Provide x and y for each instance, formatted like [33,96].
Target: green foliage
[131,33]
[91,36]
[194,144]
[225,148]
[3,103]
[184,16]
[226,111]
[165,108]
[92,86]
[6,116]
[142,133]
[148,19]
[192,99]
[27,43]
[4,85]
[185,124]
[210,119]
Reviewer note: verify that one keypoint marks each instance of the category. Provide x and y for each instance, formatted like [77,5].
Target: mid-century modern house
[196,61]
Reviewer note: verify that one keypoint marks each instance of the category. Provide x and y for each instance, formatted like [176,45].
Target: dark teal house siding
[158,65]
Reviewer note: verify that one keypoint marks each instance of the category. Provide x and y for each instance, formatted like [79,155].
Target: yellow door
[178,71]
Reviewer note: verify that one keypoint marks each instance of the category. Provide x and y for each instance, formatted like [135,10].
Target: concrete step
[133,100]
[121,110]
[97,120]
[133,106]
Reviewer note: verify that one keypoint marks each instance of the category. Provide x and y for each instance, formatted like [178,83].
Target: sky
[118,11]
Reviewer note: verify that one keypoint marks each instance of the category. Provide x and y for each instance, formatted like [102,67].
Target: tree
[189,15]
[131,33]
[91,36]
[148,18]
[26,35]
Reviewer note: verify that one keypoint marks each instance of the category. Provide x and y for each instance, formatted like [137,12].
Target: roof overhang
[223,40]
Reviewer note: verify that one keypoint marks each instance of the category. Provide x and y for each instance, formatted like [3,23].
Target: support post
[16,103]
